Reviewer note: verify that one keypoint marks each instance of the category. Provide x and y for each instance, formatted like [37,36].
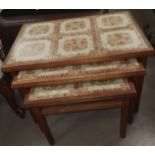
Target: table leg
[139,85]
[31,113]
[144,61]
[124,118]
[131,111]
[43,125]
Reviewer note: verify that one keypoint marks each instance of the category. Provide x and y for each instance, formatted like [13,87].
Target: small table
[49,100]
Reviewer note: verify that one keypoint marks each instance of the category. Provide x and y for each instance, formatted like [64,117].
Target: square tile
[32,51]
[112,21]
[78,25]
[38,30]
[76,45]
[124,39]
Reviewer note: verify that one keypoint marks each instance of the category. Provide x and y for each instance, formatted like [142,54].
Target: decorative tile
[78,25]
[112,21]
[72,46]
[38,30]
[32,51]
[49,92]
[124,39]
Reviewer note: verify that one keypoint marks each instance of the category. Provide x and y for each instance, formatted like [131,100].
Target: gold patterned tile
[124,39]
[76,70]
[50,92]
[78,25]
[32,51]
[111,21]
[38,30]
[73,46]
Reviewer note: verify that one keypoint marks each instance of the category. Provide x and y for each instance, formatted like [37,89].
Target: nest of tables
[80,64]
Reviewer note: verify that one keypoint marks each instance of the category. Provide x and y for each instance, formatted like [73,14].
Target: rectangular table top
[79,92]
[80,40]
[79,73]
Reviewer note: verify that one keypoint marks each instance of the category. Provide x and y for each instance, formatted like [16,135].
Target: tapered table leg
[131,111]
[124,118]
[33,116]
[43,125]
[139,85]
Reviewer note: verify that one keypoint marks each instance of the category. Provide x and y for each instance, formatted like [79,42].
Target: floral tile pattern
[80,45]
[118,20]
[33,51]
[77,38]
[78,25]
[49,92]
[38,30]
[120,40]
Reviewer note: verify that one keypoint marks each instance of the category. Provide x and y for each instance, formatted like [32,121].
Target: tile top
[76,38]
[76,70]
[52,92]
